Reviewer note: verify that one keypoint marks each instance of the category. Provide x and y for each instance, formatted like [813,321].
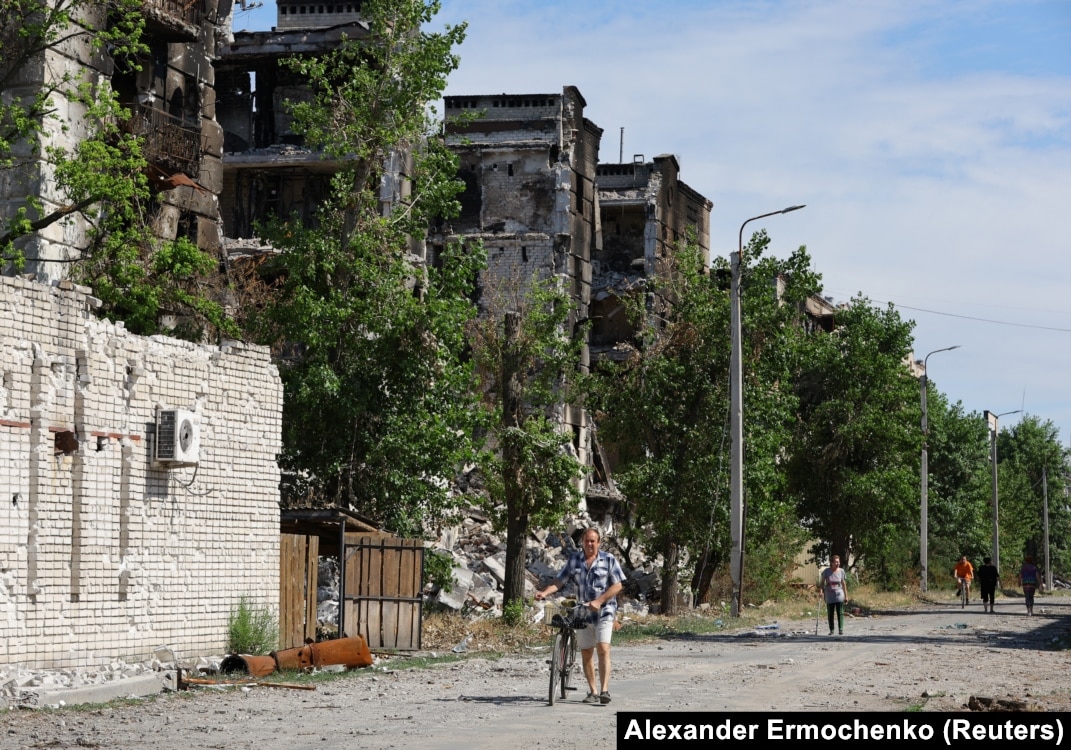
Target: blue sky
[930,140]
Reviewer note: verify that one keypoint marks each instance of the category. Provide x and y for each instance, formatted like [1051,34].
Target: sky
[930,141]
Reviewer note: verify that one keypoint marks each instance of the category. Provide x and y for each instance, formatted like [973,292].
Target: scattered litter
[463,646]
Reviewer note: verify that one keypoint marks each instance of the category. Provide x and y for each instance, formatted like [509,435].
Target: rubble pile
[19,686]
[480,568]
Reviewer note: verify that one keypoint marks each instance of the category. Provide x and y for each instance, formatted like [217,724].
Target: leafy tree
[1024,452]
[101,178]
[852,463]
[665,410]
[959,484]
[379,405]
[528,359]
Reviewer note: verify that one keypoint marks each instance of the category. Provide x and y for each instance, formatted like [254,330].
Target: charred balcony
[168,142]
[173,20]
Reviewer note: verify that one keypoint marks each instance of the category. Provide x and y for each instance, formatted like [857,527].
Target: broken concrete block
[456,597]
[496,566]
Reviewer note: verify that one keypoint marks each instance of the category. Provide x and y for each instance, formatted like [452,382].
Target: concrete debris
[41,688]
[983,703]
[479,570]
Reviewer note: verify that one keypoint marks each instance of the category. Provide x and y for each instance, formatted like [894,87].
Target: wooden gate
[298,568]
[382,581]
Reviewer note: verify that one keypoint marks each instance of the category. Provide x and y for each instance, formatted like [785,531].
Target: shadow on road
[1050,627]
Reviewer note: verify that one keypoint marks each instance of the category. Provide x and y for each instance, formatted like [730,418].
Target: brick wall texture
[103,553]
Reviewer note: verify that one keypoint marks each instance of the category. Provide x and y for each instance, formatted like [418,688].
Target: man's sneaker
[592,698]
[604,697]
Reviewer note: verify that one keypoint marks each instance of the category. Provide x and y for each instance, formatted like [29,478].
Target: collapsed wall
[122,529]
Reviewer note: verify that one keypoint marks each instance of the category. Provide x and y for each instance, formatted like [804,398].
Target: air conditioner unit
[178,437]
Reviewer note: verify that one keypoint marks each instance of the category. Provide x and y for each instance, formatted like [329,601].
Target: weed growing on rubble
[251,629]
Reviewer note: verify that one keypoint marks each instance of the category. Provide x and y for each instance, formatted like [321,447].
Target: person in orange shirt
[964,574]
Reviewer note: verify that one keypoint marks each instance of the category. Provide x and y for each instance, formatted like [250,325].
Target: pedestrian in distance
[963,572]
[599,578]
[1028,580]
[988,578]
[834,583]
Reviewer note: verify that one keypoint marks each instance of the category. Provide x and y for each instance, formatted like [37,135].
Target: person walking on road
[1028,579]
[835,588]
[598,578]
[964,574]
[988,578]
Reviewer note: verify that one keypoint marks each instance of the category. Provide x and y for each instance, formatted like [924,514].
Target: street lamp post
[992,418]
[924,482]
[737,510]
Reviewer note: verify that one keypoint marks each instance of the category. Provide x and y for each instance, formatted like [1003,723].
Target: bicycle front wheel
[568,656]
[557,664]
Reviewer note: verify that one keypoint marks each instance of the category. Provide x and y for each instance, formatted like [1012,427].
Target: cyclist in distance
[964,573]
[598,578]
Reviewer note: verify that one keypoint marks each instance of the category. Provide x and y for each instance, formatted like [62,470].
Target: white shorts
[595,633]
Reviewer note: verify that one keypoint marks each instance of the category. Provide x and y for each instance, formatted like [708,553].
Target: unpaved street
[933,657]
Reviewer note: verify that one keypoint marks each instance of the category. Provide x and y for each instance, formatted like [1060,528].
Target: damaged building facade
[528,164]
[543,206]
[139,484]
[172,101]
[268,171]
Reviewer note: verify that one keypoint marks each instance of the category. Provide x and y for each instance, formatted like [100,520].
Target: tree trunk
[704,574]
[670,557]
[516,512]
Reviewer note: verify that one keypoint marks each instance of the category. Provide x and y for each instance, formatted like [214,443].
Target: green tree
[665,410]
[1025,452]
[98,175]
[959,485]
[379,399]
[528,358]
[852,464]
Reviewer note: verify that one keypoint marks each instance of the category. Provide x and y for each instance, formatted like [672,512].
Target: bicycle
[567,619]
[962,592]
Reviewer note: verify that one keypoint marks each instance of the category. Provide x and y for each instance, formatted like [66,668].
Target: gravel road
[932,657]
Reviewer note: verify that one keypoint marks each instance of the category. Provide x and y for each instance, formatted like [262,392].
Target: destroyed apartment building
[172,100]
[268,171]
[543,206]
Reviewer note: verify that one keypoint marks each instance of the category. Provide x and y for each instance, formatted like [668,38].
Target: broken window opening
[64,443]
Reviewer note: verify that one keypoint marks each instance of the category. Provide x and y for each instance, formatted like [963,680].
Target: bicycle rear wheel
[557,663]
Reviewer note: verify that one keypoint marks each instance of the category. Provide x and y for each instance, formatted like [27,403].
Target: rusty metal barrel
[254,666]
[350,652]
[293,658]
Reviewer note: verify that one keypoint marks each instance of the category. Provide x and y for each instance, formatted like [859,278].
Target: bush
[251,629]
[513,613]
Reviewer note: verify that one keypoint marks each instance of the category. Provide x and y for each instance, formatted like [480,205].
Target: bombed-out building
[528,163]
[268,169]
[645,211]
[543,206]
[171,95]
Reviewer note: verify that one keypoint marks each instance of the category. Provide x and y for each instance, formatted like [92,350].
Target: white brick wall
[102,554]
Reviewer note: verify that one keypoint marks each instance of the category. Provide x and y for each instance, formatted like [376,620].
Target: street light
[737,511]
[924,482]
[992,418]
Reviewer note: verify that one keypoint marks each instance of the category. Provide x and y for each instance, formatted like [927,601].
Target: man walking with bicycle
[598,577]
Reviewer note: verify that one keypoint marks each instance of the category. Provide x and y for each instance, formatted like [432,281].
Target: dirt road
[932,657]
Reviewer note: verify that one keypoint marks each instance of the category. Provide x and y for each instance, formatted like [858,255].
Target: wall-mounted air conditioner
[178,438]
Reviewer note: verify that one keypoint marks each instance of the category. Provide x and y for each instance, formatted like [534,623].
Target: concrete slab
[130,687]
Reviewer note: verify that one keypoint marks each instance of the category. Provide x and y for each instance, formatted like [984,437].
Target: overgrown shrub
[251,629]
